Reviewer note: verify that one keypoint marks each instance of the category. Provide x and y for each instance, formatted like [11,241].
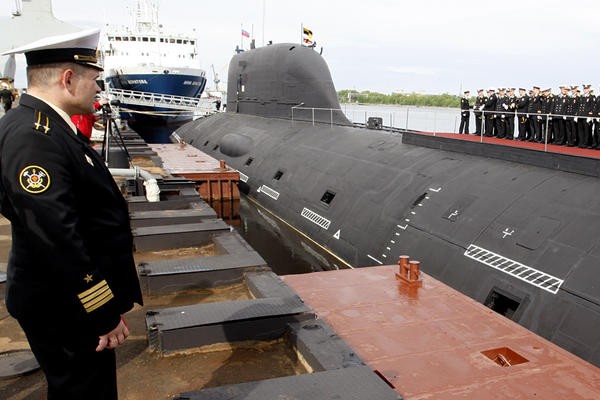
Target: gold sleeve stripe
[93,289]
[99,293]
[89,308]
[96,296]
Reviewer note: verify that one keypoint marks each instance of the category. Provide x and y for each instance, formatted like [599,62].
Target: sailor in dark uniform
[547,100]
[464,113]
[559,106]
[501,107]
[489,108]
[536,115]
[71,273]
[597,123]
[479,102]
[571,120]
[521,107]
[510,114]
[585,113]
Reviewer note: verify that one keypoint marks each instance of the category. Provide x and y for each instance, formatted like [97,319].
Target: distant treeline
[411,99]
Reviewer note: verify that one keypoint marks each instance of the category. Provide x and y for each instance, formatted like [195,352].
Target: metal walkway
[132,97]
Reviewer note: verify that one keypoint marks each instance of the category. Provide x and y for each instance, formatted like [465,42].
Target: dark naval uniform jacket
[71,260]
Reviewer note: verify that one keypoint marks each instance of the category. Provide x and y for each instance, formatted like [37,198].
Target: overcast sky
[432,46]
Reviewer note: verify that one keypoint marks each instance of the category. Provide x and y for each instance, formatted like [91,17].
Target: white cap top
[77,47]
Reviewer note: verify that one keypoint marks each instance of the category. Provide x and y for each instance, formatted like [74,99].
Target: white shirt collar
[60,112]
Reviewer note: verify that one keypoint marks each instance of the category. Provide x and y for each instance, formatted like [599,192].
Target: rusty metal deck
[431,342]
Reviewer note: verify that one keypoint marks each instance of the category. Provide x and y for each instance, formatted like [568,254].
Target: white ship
[144,58]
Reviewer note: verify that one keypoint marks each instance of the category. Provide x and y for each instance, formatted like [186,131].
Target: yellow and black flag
[307,37]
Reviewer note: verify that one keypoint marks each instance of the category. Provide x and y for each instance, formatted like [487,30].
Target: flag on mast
[307,37]
[245,33]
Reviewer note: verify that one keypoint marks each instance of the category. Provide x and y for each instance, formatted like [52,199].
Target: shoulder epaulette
[41,122]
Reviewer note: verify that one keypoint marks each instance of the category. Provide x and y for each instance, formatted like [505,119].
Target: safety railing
[437,120]
[328,112]
[167,101]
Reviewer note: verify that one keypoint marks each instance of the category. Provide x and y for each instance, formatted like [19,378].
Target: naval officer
[464,113]
[488,108]
[522,107]
[71,274]
[479,102]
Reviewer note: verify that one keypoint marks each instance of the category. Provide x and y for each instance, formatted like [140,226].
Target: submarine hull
[522,239]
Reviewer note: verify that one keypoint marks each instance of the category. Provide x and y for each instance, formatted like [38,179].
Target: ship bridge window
[278,175]
[126,38]
[162,40]
[502,302]
[178,41]
[171,40]
[185,42]
[118,38]
[192,42]
[144,39]
[249,161]
[133,39]
[152,39]
[327,197]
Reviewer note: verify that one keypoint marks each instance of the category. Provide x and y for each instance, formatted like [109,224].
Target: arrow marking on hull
[337,234]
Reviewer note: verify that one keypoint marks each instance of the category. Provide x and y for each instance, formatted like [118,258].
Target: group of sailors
[569,118]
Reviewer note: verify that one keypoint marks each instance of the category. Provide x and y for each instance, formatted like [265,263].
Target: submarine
[517,230]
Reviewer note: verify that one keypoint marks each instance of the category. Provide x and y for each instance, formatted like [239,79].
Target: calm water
[428,119]
[284,250]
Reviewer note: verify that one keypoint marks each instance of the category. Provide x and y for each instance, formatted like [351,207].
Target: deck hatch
[315,218]
[327,197]
[523,272]
[505,357]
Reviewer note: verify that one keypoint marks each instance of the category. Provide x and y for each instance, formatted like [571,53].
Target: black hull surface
[522,239]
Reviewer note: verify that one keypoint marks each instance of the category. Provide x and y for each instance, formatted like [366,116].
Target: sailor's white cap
[491,89]
[77,47]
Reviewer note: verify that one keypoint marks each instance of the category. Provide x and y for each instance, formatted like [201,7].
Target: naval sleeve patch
[34,179]
[96,296]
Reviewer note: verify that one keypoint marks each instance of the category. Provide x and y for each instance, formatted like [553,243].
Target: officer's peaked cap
[77,47]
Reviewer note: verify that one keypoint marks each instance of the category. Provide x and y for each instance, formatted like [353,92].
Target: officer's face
[86,90]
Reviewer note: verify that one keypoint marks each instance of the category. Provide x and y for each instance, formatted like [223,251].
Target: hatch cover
[16,363]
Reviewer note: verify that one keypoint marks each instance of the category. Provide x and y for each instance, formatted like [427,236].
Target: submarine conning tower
[283,80]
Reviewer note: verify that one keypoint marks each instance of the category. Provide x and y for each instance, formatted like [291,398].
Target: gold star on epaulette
[88,278]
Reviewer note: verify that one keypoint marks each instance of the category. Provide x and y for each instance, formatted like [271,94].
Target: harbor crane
[216,78]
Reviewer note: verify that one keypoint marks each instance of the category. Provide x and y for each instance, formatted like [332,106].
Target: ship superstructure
[148,60]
